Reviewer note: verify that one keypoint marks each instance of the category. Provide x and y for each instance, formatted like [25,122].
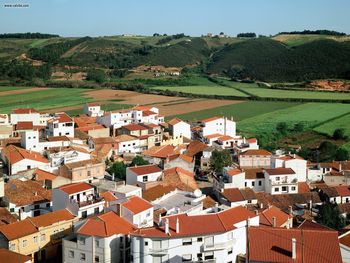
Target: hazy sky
[193,17]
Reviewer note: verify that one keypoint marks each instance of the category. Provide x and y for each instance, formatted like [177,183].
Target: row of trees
[314,32]
[27,35]
[169,38]
[249,34]
[23,70]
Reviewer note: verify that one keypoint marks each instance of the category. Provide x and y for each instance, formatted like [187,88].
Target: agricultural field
[239,111]
[329,127]
[296,40]
[205,90]
[310,114]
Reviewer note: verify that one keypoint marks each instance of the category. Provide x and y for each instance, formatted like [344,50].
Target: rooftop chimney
[261,206]
[177,225]
[274,221]
[294,248]
[166,227]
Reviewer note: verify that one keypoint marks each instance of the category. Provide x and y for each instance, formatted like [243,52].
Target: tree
[327,151]
[219,160]
[329,216]
[119,170]
[298,127]
[282,128]
[96,75]
[138,160]
[341,154]
[339,134]
[156,34]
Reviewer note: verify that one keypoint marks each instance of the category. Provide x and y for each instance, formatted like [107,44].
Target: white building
[93,109]
[104,238]
[137,211]
[218,237]
[293,161]
[60,125]
[231,178]
[64,155]
[281,181]
[255,159]
[128,144]
[79,198]
[178,128]
[141,175]
[4,119]
[25,115]
[219,125]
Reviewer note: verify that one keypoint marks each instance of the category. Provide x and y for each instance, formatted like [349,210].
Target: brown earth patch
[331,85]
[19,91]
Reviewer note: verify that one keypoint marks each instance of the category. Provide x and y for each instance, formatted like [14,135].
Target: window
[199,239]
[144,179]
[209,255]
[24,243]
[229,252]
[82,256]
[284,188]
[47,204]
[146,243]
[71,254]
[35,239]
[277,178]
[42,237]
[84,214]
[245,184]
[276,189]
[260,183]
[186,257]
[36,206]
[12,210]
[293,188]
[96,210]
[253,183]
[82,240]
[97,259]
[186,241]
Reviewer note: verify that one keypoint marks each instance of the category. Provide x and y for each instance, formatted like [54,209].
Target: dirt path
[19,91]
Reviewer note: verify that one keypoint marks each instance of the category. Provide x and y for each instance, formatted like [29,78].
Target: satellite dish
[197,193]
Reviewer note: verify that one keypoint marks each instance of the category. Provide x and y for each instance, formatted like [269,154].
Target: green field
[310,114]
[329,127]
[238,111]
[44,99]
[206,90]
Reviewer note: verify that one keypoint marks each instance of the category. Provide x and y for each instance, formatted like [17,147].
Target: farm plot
[329,127]
[310,114]
[240,111]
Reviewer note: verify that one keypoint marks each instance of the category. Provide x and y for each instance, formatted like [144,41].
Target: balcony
[158,251]
[90,202]
[218,246]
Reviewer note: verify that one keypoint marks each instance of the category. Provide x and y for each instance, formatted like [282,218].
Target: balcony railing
[90,202]
[158,251]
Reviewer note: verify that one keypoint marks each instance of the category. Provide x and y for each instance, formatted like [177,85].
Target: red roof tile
[13,257]
[175,121]
[106,225]
[256,152]
[108,196]
[280,170]
[266,217]
[275,245]
[134,127]
[211,119]
[160,151]
[234,171]
[137,205]
[145,169]
[343,190]
[41,175]
[15,154]
[52,218]
[24,111]
[24,125]
[75,188]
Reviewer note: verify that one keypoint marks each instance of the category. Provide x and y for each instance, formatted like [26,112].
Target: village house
[63,155]
[94,131]
[4,119]
[79,198]
[293,161]
[180,160]
[128,144]
[298,245]
[233,197]
[93,109]
[182,237]
[217,125]
[159,154]
[104,238]
[60,125]
[83,171]
[143,176]
[178,128]
[255,159]
[25,115]
[231,177]
[275,217]
[39,237]
[26,198]
[18,159]
[281,181]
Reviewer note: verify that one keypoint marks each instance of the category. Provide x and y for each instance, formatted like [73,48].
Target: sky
[192,17]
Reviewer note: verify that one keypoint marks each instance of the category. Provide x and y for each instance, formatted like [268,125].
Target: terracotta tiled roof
[104,140]
[18,229]
[192,225]
[290,157]
[310,225]
[125,138]
[51,218]
[303,187]
[137,205]
[24,111]
[234,171]
[93,104]
[343,190]
[254,173]
[248,194]
[142,108]
[75,188]
[156,192]
[148,113]
[28,192]
[160,151]
[106,225]
[61,117]
[180,178]
[41,175]
[280,171]
[145,169]
[13,257]
[208,202]
[233,195]
[175,121]
[213,136]
[345,239]
[24,125]
[15,154]
[186,158]
[226,138]
[266,217]
[257,152]
[82,163]
[275,245]
[58,138]
[6,217]
[330,192]
[252,140]
[134,127]
[108,196]
[91,127]
[344,208]
[195,147]
[211,119]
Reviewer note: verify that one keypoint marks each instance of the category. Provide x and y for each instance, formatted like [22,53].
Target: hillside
[268,60]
